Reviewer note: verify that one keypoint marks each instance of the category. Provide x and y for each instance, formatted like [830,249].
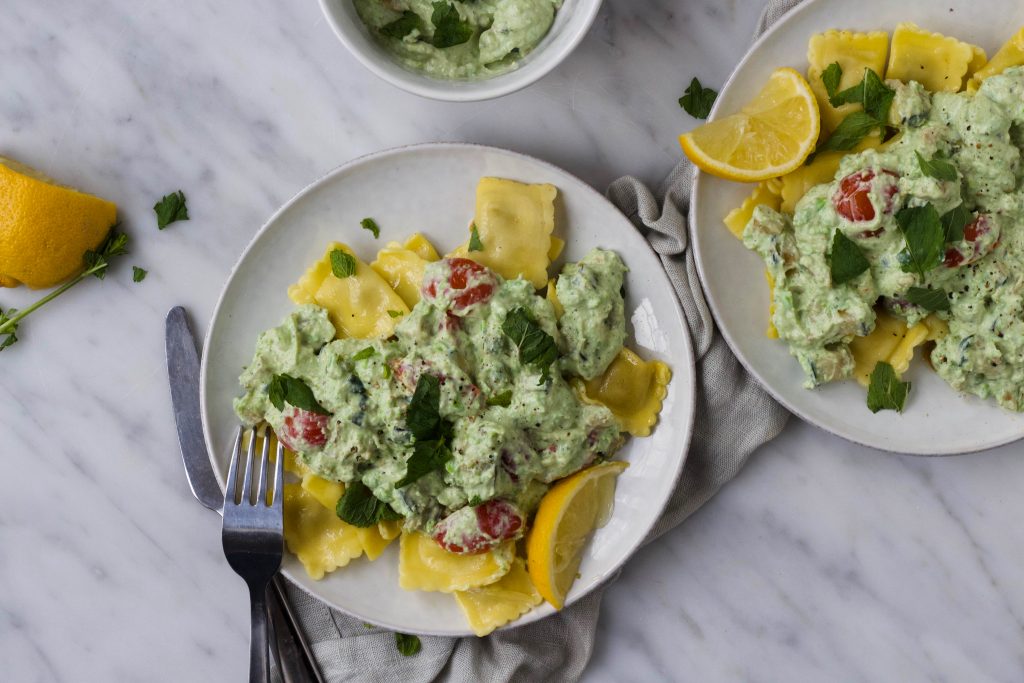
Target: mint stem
[10,324]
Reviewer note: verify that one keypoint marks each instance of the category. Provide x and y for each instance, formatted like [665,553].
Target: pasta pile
[515,221]
[939,63]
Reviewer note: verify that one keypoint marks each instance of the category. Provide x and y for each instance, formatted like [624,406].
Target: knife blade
[295,663]
[183,373]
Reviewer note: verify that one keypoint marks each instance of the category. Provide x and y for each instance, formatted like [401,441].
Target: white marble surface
[822,561]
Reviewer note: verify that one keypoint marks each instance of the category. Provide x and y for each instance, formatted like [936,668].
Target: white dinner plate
[431,189]
[937,420]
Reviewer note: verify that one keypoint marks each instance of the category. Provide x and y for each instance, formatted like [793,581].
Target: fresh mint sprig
[96,264]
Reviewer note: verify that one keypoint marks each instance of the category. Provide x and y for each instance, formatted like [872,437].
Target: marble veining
[822,561]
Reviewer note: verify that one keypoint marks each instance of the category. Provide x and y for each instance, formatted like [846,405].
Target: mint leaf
[402,26]
[449,28]
[342,264]
[928,299]
[925,238]
[371,225]
[408,645]
[287,389]
[474,239]
[170,209]
[698,100]
[876,96]
[139,274]
[831,77]
[395,314]
[849,132]
[10,336]
[846,260]
[368,352]
[97,262]
[423,415]
[359,507]
[503,399]
[937,168]
[954,221]
[886,391]
[536,347]
[427,456]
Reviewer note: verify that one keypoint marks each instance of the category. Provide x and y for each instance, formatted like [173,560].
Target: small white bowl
[572,21]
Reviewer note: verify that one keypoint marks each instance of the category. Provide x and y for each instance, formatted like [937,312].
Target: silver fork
[254,537]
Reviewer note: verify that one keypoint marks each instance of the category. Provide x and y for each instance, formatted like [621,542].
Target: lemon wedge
[771,136]
[567,515]
[46,228]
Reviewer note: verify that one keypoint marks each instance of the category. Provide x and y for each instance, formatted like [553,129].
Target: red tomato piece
[476,283]
[304,430]
[853,200]
[496,521]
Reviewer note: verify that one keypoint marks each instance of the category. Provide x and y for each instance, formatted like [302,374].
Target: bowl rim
[681,358]
[714,305]
[486,89]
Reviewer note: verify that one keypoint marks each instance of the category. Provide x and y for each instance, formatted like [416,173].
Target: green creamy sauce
[510,452]
[982,136]
[503,32]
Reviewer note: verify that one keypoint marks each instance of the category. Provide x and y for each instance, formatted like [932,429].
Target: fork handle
[259,654]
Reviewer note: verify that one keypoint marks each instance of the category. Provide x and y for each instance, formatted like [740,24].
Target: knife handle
[293,654]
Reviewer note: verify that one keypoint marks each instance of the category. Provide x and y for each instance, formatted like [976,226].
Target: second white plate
[937,420]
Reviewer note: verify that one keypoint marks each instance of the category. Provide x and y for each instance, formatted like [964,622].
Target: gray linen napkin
[734,417]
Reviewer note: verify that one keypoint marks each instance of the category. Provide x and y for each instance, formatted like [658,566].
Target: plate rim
[686,359]
[713,306]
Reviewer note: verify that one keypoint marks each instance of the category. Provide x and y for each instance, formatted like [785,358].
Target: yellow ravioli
[357,305]
[552,296]
[514,222]
[402,267]
[937,62]
[315,535]
[854,52]
[893,342]
[763,194]
[505,600]
[633,389]
[1010,54]
[423,565]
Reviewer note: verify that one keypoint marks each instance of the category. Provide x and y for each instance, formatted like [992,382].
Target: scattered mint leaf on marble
[886,391]
[408,645]
[403,26]
[11,336]
[170,209]
[139,274]
[371,225]
[474,239]
[342,264]
[922,229]
[846,260]
[698,100]
[449,28]
[937,168]
[928,299]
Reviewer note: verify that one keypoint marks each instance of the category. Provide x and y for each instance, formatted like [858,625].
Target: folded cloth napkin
[734,416]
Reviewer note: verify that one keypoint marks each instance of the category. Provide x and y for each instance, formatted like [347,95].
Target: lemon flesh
[45,228]
[568,514]
[771,136]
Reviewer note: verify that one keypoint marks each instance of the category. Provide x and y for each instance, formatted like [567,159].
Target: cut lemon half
[771,136]
[567,515]
[46,228]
